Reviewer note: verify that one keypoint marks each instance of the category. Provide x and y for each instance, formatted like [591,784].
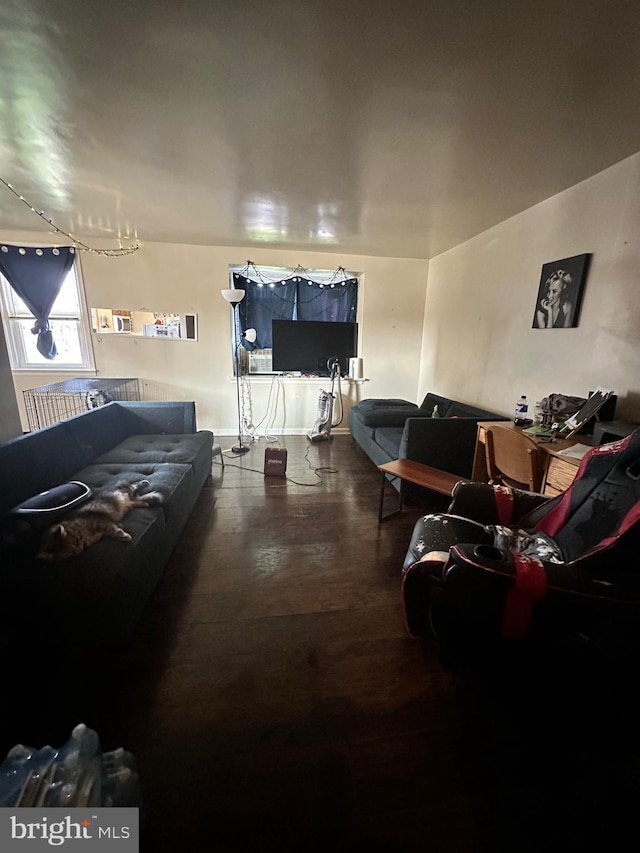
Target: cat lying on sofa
[96,597]
[95,519]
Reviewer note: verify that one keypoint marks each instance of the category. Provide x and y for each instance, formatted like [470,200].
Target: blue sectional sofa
[97,597]
[388,429]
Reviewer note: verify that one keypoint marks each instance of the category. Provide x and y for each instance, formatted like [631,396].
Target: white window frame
[18,356]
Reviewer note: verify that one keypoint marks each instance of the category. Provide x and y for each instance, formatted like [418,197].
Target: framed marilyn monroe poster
[560,293]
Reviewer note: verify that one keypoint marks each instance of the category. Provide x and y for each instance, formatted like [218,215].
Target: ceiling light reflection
[265,219]
[33,103]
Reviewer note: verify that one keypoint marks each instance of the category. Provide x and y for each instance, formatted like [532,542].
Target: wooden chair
[513,459]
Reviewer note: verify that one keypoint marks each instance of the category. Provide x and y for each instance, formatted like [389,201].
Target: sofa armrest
[444,443]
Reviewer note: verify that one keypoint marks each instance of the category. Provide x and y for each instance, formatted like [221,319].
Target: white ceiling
[386,128]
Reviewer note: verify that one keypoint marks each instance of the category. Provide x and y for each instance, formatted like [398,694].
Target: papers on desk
[577,451]
[538,431]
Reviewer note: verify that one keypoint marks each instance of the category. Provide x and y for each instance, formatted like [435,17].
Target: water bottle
[435,413]
[522,407]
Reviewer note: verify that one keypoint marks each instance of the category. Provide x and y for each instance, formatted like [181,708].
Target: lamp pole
[239,447]
[233,297]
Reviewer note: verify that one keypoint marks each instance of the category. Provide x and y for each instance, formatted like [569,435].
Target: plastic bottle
[435,413]
[522,407]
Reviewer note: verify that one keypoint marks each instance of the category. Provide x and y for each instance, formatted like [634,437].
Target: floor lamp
[234,297]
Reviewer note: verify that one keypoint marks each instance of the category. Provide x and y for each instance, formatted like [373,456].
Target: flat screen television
[306,346]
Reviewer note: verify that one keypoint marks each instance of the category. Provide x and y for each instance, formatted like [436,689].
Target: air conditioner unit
[260,361]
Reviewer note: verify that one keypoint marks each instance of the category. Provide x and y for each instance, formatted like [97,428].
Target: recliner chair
[505,564]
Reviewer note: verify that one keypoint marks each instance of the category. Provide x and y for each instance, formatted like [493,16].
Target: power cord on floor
[317,470]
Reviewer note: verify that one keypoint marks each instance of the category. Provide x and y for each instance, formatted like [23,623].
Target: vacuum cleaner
[321,430]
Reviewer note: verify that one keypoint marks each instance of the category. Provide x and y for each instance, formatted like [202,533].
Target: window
[275,293]
[68,320]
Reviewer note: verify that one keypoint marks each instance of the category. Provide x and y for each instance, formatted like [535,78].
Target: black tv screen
[306,346]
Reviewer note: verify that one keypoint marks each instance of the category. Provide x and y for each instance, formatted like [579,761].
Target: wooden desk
[414,472]
[559,471]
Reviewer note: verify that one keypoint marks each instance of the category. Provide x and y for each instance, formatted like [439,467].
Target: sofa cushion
[372,403]
[392,416]
[462,410]
[389,438]
[107,426]
[173,481]
[180,449]
[444,404]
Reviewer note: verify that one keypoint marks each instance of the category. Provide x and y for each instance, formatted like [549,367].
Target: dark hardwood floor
[274,701]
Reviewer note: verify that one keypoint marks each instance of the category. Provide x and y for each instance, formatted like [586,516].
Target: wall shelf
[268,377]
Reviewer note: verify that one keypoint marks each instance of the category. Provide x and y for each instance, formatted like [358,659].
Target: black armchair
[508,564]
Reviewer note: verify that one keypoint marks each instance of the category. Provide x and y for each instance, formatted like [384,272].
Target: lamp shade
[250,335]
[233,296]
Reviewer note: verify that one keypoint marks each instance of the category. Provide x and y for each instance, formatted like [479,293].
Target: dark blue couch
[388,429]
[97,597]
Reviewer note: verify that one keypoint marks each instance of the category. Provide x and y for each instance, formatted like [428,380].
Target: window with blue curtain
[320,296]
[37,274]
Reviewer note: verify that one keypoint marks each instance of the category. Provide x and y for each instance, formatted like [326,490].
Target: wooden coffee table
[414,472]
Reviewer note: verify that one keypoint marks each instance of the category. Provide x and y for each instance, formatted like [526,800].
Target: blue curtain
[262,304]
[37,275]
[335,302]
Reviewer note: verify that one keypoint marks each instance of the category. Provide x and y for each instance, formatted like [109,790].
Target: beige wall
[478,344]
[181,278]
[472,338]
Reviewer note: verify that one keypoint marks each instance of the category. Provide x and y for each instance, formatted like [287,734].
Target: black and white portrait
[560,293]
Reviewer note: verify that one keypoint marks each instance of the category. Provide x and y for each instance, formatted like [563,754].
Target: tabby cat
[97,518]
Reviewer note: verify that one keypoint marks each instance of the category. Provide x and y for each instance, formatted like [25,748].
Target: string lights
[338,277]
[78,244]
